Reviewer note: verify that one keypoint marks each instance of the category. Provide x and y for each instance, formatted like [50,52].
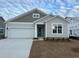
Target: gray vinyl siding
[57,20]
[28,17]
[2,24]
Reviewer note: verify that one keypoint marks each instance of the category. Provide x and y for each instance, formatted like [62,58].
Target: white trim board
[20,23]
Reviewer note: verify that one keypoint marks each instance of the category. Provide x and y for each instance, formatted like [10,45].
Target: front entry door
[41,30]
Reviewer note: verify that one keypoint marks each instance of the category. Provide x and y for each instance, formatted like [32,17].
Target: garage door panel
[21,33]
[15,25]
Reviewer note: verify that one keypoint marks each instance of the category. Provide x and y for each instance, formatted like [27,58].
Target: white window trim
[36,14]
[36,29]
[57,28]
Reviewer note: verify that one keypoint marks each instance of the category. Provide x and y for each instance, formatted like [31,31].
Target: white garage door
[19,30]
[21,33]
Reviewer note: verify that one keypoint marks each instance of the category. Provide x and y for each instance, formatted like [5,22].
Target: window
[36,15]
[54,29]
[1,30]
[57,28]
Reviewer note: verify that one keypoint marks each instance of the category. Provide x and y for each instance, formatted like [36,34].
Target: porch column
[35,30]
[45,29]
[6,30]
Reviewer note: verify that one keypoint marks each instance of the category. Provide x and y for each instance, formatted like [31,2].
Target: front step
[38,38]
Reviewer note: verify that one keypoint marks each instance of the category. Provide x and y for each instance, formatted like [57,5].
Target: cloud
[11,8]
[74,11]
[71,1]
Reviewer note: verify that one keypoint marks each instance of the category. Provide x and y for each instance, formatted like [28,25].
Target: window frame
[36,14]
[57,27]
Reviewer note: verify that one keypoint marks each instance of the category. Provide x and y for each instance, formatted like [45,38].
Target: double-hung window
[57,28]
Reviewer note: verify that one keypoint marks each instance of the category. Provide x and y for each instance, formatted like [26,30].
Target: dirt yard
[55,49]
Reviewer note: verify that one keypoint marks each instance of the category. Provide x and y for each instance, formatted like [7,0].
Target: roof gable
[27,17]
[57,16]
[1,19]
[49,18]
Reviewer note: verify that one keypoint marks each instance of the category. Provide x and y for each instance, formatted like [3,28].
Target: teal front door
[40,30]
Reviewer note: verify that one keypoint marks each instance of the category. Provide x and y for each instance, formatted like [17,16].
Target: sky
[13,8]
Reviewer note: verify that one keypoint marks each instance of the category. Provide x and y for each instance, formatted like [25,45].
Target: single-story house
[37,24]
[2,27]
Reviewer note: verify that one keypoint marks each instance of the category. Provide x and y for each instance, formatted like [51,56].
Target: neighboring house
[2,27]
[36,24]
[74,26]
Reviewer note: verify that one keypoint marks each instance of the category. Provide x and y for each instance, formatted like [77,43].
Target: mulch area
[55,49]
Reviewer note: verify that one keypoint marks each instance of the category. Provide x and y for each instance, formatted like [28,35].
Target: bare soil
[55,49]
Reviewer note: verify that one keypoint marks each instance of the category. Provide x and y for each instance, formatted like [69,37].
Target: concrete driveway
[15,48]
